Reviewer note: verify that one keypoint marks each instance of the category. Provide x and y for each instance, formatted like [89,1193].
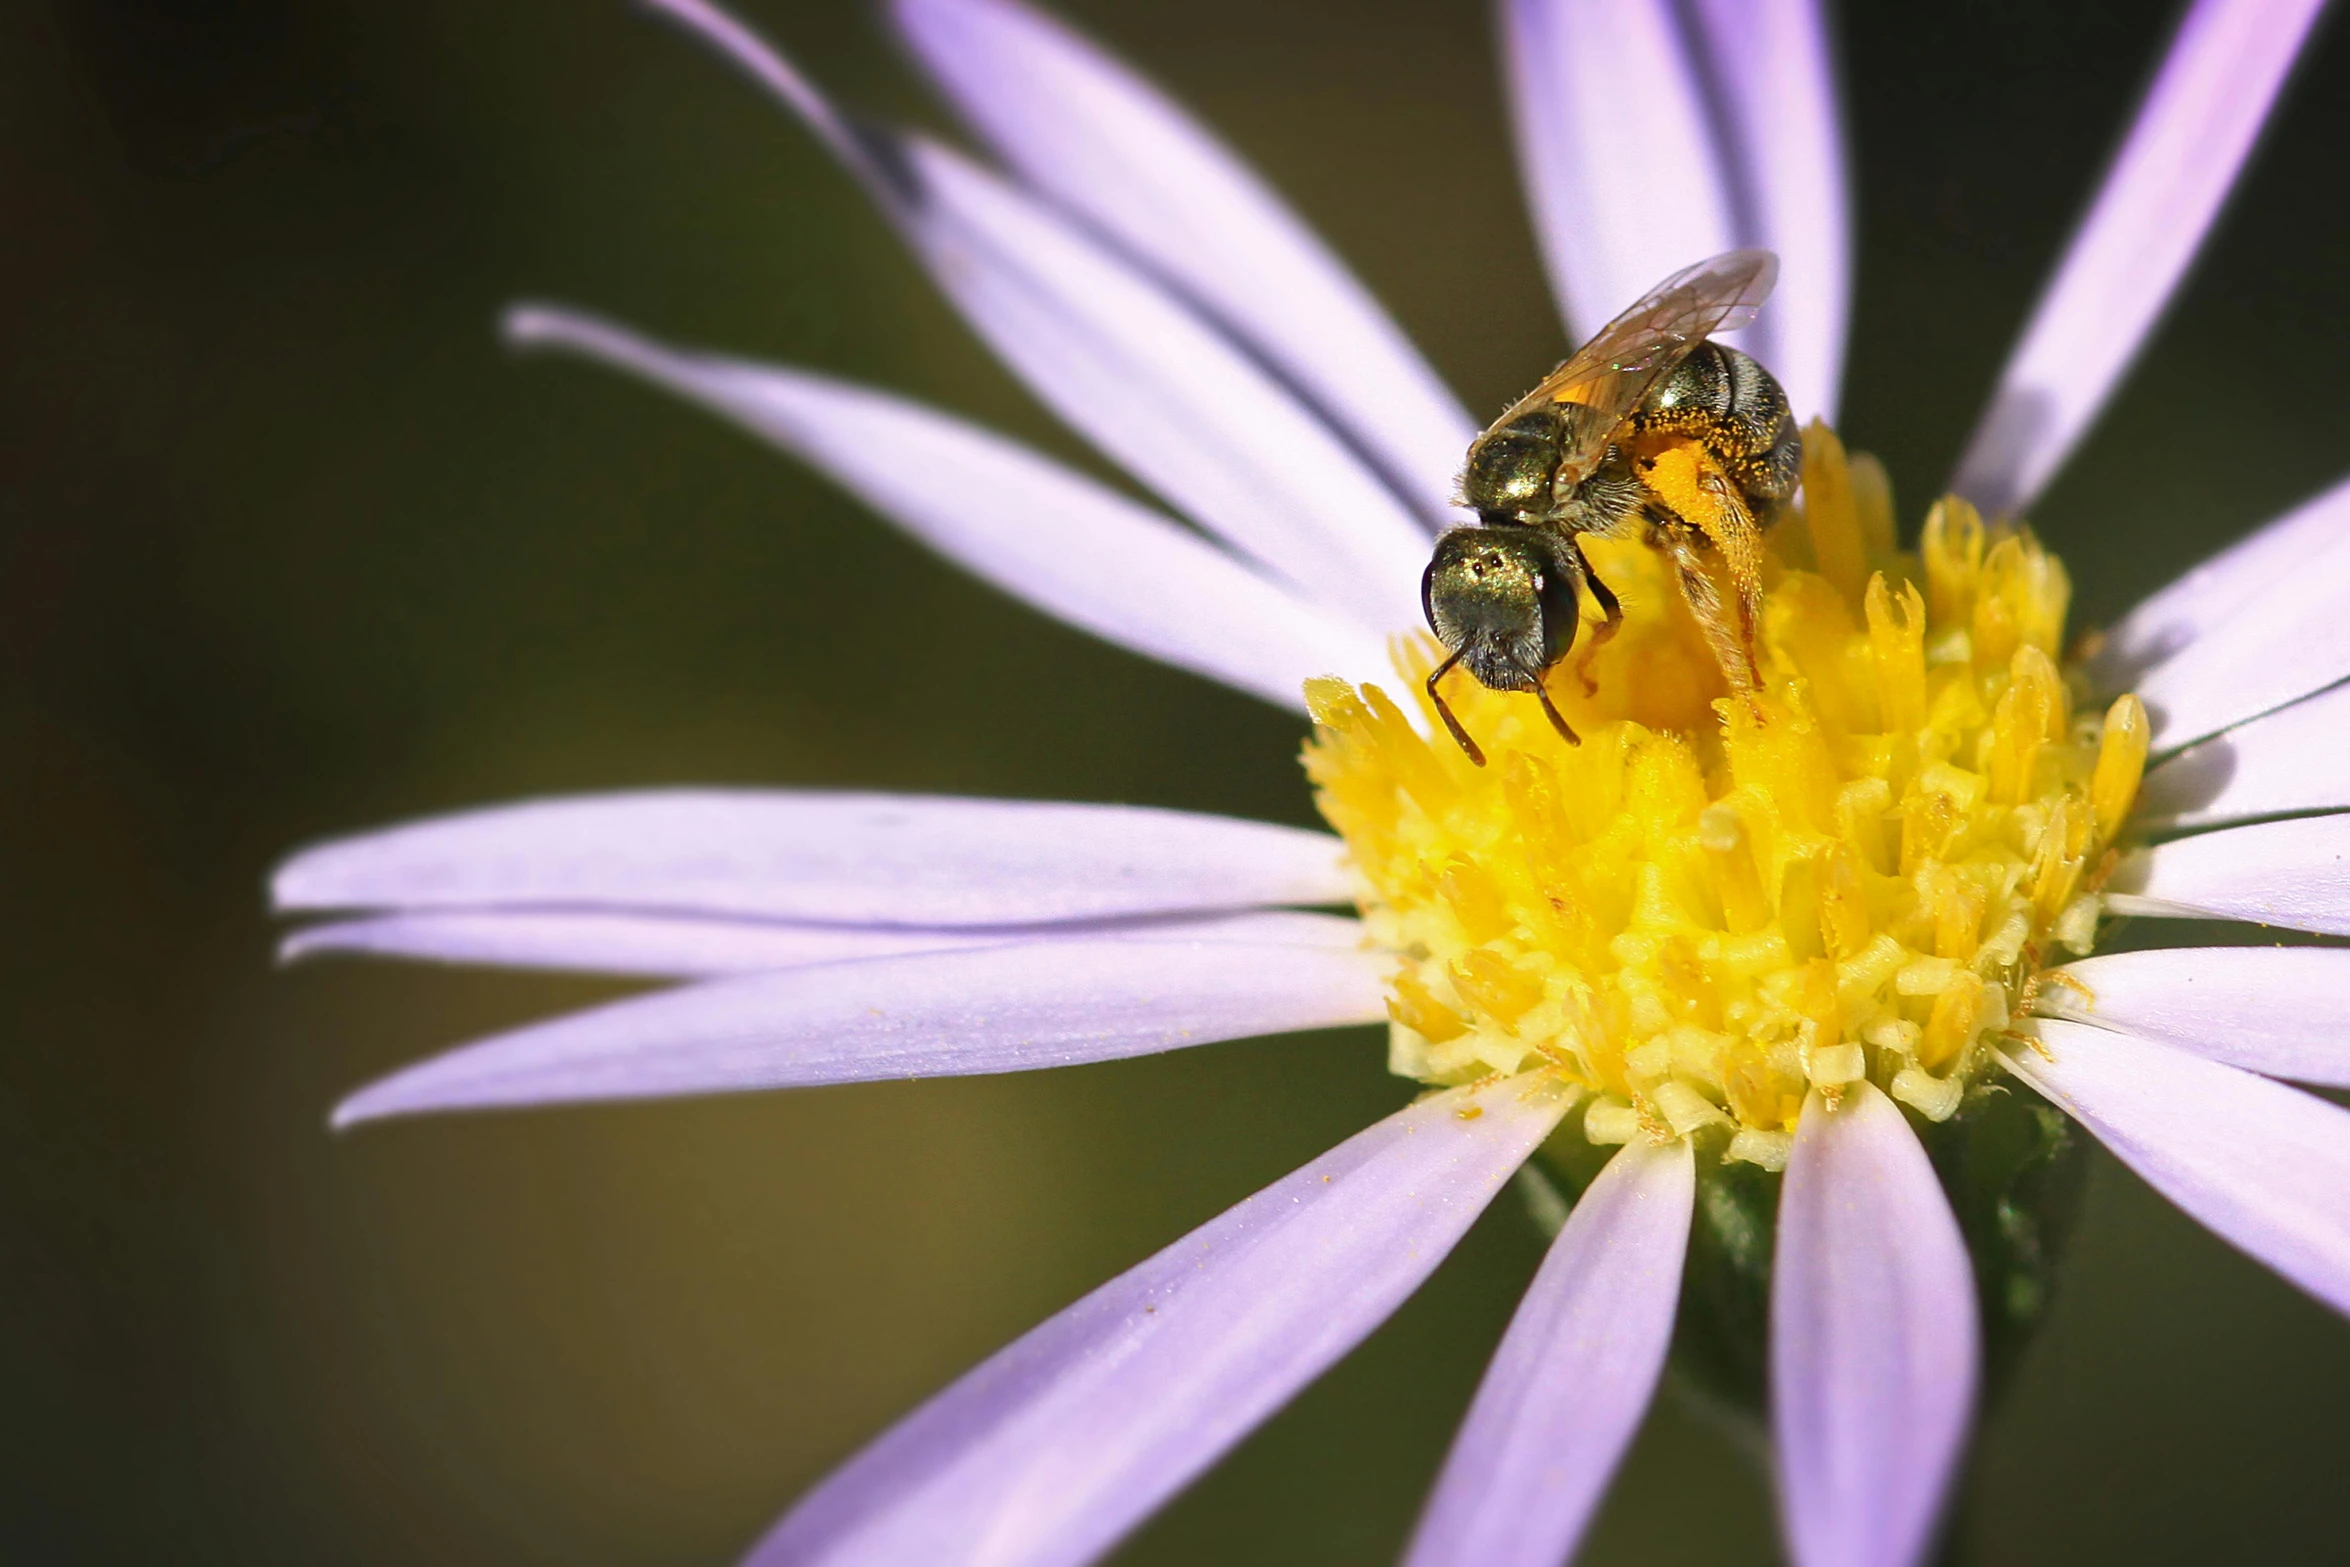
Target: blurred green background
[288,546]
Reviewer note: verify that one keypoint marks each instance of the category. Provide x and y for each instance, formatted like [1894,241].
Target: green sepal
[1721,1339]
[2013,1166]
[2009,1162]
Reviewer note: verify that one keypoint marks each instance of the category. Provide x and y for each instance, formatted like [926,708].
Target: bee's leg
[1549,708]
[1731,647]
[1611,615]
[1738,535]
[1444,711]
[1694,504]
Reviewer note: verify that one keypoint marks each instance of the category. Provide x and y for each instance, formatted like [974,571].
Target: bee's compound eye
[1554,590]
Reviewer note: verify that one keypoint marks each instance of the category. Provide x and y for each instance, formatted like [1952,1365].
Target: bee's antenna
[1458,733]
[1556,722]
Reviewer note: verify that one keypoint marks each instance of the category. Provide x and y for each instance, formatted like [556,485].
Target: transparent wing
[1611,374]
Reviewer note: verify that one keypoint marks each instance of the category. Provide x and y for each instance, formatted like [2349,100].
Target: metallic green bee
[1574,456]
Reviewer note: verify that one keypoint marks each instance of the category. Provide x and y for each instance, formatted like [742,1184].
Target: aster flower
[1787,950]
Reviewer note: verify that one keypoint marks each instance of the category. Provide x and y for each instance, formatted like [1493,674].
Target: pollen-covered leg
[1737,533]
[1706,501]
[1732,642]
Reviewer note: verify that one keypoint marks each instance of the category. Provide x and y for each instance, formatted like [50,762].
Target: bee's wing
[1613,372]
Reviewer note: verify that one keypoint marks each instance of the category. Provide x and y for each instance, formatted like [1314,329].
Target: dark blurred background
[289,546]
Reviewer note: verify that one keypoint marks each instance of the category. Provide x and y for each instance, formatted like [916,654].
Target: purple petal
[1572,1378]
[1088,131]
[922,1014]
[671,946]
[1873,1338]
[2291,760]
[2210,601]
[1771,65]
[1053,1449]
[2264,1166]
[2293,873]
[1622,173]
[1073,548]
[2192,135]
[1126,363]
[2276,1010]
[883,859]
[2291,640]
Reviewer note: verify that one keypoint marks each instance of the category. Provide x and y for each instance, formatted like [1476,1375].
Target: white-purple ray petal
[841,858]
[1072,547]
[2289,641]
[2291,760]
[2216,595]
[2283,1011]
[959,1013]
[1125,362]
[675,946]
[1573,1376]
[1089,131]
[1050,1451]
[2264,1166]
[2295,874]
[637,946]
[1768,66]
[1874,1345]
[2190,139]
[1621,168]
[2275,631]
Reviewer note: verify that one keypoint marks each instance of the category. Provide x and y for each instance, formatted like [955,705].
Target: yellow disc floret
[1715,904]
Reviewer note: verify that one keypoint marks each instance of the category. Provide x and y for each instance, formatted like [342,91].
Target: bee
[1576,456]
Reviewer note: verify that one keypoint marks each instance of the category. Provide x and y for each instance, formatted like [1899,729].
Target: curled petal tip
[527,325]
[351,1112]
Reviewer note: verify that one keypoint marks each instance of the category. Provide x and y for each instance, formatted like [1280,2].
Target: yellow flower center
[1713,905]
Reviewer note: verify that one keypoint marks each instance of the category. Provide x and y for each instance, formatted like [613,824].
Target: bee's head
[1510,470]
[1503,599]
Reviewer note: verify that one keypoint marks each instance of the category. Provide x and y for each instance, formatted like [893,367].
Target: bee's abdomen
[1731,403]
